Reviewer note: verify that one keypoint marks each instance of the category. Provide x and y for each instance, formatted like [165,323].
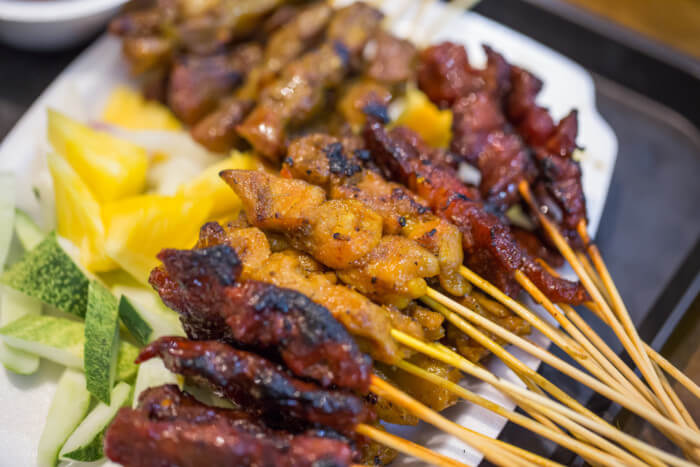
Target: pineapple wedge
[128,109]
[209,185]
[137,228]
[78,215]
[426,119]
[112,168]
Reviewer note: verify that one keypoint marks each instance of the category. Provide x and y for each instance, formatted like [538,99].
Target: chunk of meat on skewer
[482,231]
[197,83]
[262,387]
[299,92]
[173,428]
[445,75]
[201,285]
[369,323]
[323,160]
[217,131]
[341,234]
[390,59]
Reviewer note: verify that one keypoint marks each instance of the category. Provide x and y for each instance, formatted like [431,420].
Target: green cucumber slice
[14,305]
[101,341]
[68,408]
[134,322]
[146,310]
[62,340]
[85,444]
[152,373]
[27,231]
[7,214]
[48,273]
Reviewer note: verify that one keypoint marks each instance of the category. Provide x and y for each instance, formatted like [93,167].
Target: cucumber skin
[66,335]
[7,214]
[93,451]
[133,321]
[101,341]
[47,273]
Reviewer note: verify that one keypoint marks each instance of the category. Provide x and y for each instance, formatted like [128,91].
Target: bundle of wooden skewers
[373,224]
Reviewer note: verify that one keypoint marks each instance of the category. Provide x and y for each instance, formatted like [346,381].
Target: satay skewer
[621,323]
[543,404]
[585,450]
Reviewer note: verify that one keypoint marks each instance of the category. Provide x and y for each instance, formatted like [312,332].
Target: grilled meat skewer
[262,387]
[201,285]
[172,428]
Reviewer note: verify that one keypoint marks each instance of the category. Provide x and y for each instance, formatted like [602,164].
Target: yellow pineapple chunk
[128,109]
[78,215]
[137,228]
[426,119]
[209,185]
[111,167]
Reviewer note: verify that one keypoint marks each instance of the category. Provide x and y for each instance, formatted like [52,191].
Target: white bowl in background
[52,24]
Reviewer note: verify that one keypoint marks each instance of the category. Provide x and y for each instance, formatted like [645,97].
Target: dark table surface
[651,222]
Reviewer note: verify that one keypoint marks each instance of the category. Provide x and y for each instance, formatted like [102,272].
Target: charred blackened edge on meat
[338,162]
[378,111]
[219,261]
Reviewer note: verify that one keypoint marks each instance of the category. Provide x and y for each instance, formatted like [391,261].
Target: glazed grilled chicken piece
[300,91]
[217,131]
[324,161]
[172,428]
[264,388]
[369,323]
[197,83]
[340,234]
[202,286]
[489,245]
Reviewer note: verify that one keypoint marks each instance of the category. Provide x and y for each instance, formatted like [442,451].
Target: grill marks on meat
[172,428]
[560,174]
[299,93]
[322,160]
[490,247]
[369,323]
[201,286]
[341,234]
[262,387]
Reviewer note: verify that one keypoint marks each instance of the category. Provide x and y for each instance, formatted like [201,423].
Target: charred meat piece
[496,74]
[201,286]
[504,162]
[147,53]
[293,98]
[532,243]
[300,91]
[390,59]
[358,97]
[198,82]
[172,428]
[323,160]
[353,26]
[262,387]
[445,75]
[482,231]
[475,117]
[217,131]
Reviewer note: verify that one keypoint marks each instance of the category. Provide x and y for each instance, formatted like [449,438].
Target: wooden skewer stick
[603,277]
[596,347]
[620,398]
[495,451]
[625,331]
[445,305]
[586,451]
[442,353]
[519,309]
[406,447]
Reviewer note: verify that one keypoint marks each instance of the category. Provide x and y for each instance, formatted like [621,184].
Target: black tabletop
[650,225]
